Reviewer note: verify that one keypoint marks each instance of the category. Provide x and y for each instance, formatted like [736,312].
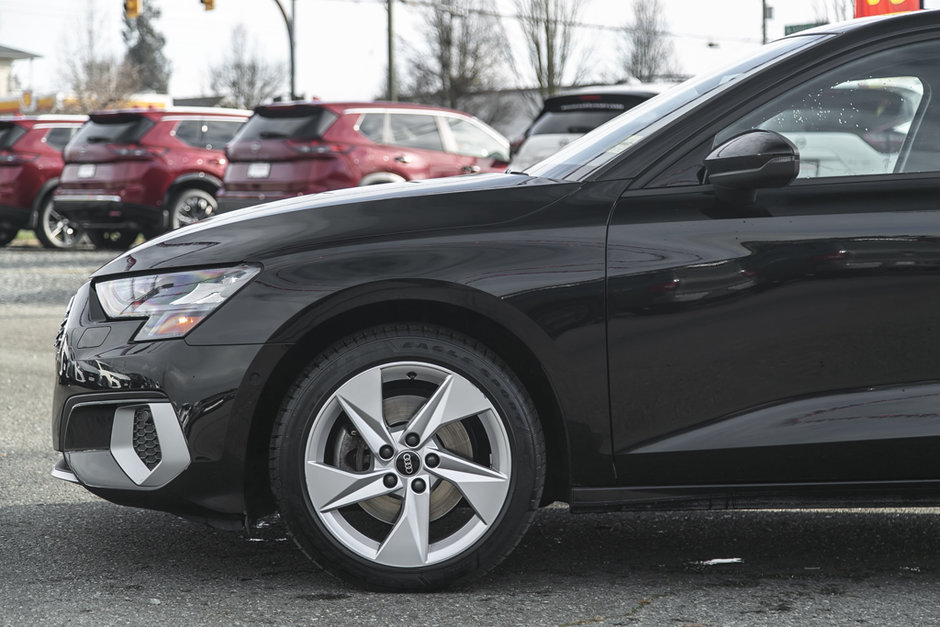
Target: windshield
[593,151]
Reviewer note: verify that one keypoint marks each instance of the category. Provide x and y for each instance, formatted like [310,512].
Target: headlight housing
[172,303]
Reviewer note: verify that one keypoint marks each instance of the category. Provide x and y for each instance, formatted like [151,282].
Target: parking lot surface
[67,557]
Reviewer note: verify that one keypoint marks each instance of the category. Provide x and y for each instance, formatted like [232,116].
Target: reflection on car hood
[397,210]
[538,147]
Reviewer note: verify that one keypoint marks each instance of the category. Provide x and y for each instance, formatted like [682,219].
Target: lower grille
[146,443]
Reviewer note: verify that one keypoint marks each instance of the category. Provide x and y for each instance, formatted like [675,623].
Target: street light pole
[289,22]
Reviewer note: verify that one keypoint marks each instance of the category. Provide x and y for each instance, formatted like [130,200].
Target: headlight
[172,303]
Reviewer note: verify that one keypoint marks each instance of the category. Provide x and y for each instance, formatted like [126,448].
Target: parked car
[304,148]
[30,164]
[570,115]
[147,171]
[669,313]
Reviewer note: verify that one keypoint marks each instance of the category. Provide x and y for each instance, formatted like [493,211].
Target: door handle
[403,159]
[470,169]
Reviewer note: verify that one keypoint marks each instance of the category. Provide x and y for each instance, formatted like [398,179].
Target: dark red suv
[144,171]
[302,148]
[30,164]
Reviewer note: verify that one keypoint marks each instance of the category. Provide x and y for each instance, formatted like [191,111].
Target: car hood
[390,211]
[538,147]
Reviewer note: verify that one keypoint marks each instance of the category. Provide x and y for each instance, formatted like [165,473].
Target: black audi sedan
[726,297]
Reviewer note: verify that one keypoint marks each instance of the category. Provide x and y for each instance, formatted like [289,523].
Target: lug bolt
[412,439]
[418,485]
[386,452]
[432,460]
[390,480]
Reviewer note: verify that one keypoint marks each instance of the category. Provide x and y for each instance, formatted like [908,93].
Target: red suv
[30,164]
[302,148]
[144,171]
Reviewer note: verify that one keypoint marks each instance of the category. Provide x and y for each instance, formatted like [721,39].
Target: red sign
[864,8]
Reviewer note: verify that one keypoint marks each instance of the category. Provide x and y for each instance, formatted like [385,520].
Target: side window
[59,137]
[475,142]
[876,115]
[219,133]
[189,132]
[372,126]
[415,131]
[846,128]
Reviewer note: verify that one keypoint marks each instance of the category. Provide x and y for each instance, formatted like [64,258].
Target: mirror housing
[750,161]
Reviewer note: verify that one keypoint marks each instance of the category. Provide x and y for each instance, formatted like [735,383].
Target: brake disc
[352,455]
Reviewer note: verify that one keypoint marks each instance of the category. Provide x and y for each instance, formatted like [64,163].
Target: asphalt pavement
[69,558]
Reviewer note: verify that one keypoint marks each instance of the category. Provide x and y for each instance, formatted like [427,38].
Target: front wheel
[407,458]
[54,230]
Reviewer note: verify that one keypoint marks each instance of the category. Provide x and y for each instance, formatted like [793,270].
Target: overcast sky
[341,44]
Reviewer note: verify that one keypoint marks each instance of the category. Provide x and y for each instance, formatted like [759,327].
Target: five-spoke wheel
[408,458]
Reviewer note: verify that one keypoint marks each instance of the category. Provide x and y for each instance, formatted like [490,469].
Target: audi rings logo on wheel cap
[408,463]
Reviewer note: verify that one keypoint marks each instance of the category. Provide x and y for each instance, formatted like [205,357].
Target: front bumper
[162,425]
[109,212]
[144,449]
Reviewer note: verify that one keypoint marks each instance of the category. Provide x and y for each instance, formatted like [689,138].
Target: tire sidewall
[325,377]
[180,199]
[7,236]
[42,225]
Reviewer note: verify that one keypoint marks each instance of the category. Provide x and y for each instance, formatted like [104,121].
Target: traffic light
[208,5]
[131,9]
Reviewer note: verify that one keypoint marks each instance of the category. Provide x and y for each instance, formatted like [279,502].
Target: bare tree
[463,54]
[548,29]
[649,53]
[834,10]
[243,78]
[96,79]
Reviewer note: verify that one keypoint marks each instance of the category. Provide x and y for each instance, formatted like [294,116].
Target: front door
[794,339]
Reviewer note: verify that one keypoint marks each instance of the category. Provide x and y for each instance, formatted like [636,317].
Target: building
[7,57]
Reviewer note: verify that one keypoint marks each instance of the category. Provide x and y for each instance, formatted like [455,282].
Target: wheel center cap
[408,463]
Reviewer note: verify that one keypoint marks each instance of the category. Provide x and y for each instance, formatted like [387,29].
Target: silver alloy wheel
[410,462]
[57,231]
[192,206]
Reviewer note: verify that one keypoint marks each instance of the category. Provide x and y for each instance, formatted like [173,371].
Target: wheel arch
[47,188]
[199,180]
[505,342]
[376,178]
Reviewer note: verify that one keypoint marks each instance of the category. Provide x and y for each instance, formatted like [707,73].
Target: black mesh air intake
[146,444]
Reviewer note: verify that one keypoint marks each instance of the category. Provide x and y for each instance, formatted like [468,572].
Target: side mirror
[750,161]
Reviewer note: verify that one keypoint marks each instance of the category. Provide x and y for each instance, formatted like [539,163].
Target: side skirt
[757,496]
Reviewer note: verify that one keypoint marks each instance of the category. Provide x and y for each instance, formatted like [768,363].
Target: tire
[53,230]
[191,205]
[7,235]
[381,493]
[380,178]
[112,240]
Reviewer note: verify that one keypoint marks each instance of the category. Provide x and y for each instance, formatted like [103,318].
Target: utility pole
[392,89]
[767,13]
[289,22]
